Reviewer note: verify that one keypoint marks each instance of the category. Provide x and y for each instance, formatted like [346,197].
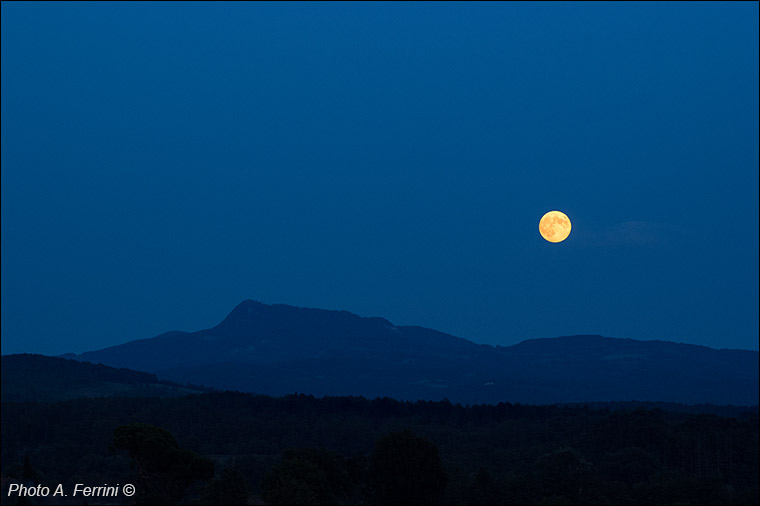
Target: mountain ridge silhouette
[280,349]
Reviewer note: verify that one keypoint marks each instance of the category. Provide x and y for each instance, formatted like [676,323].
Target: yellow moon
[554,226]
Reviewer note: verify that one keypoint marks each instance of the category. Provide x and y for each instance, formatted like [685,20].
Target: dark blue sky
[161,162]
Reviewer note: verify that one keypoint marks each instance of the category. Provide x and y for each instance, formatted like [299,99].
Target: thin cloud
[633,232]
[626,233]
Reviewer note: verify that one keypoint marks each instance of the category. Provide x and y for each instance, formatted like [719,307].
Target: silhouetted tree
[24,473]
[310,476]
[484,490]
[629,465]
[228,488]
[164,470]
[294,481]
[405,469]
[564,475]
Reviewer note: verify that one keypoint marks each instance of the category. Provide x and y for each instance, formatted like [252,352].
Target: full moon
[554,226]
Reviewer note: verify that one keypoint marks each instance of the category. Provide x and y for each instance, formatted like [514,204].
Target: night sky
[162,162]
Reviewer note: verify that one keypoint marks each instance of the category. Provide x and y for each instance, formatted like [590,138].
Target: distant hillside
[280,349]
[39,378]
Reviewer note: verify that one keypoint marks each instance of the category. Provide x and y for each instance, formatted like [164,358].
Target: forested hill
[39,378]
[280,349]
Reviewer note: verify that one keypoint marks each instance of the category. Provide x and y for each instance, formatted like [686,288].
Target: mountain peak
[250,312]
[245,309]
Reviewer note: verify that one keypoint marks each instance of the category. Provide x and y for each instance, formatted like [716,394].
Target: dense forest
[229,448]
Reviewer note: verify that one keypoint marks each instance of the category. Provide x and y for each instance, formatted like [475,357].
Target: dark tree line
[300,449]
